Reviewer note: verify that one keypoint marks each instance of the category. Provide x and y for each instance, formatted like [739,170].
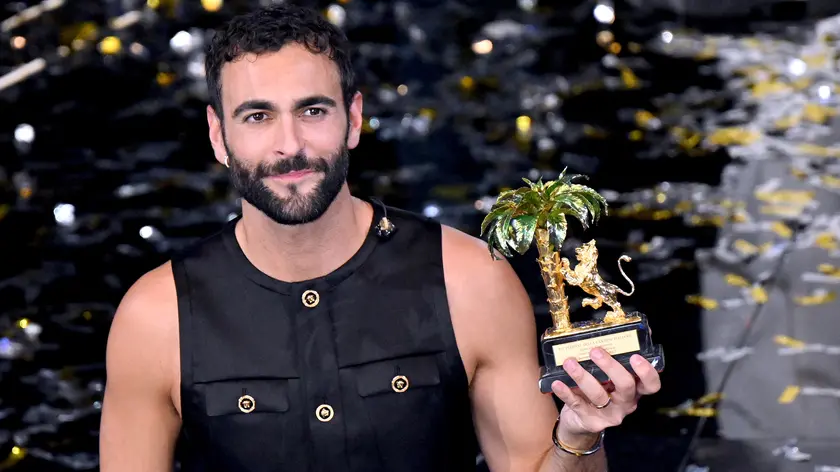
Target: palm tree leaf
[552,187]
[594,200]
[495,244]
[512,196]
[569,179]
[496,212]
[531,185]
[530,204]
[557,226]
[575,206]
[503,235]
[524,228]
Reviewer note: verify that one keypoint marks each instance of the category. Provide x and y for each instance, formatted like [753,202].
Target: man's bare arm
[495,323]
[139,421]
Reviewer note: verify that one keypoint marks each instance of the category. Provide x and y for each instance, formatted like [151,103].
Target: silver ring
[601,407]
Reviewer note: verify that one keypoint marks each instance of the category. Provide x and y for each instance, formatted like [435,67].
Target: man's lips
[294,175]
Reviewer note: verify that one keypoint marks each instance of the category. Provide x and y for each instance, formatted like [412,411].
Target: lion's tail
[632,286]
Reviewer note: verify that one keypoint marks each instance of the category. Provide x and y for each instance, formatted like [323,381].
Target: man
[299,338]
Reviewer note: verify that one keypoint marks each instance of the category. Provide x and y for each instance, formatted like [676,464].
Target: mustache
[299,162]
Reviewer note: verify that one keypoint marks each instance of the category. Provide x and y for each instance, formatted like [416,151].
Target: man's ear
[355,118]
[217,139]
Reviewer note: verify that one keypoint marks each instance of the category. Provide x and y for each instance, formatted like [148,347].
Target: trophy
[538,212]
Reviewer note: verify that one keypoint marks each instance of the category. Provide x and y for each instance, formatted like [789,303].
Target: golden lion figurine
[586,276]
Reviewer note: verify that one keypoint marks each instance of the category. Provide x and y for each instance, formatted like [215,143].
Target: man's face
[286,132]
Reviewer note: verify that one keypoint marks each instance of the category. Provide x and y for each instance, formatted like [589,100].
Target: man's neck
[305,252]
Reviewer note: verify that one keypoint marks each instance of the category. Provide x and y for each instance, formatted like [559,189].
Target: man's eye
[313,112]
[256,117]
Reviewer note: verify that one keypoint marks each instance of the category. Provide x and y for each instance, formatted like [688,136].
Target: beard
[297,208]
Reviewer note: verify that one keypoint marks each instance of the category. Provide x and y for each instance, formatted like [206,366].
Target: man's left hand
[581,416]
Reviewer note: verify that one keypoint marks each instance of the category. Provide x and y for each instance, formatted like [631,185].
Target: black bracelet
[577,452]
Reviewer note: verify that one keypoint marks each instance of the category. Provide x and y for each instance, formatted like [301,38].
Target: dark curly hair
[268,30]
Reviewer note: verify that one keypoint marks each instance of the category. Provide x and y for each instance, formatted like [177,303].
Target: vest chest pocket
[403,402]
[251,422]
[399,376]
[235,397]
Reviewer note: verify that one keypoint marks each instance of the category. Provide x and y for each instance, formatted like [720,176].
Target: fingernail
[570,365]
[597,353]
[636,360]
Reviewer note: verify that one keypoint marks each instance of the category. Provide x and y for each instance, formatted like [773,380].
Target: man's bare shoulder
[152,299]
[144,332]
[471,270]
[487,301]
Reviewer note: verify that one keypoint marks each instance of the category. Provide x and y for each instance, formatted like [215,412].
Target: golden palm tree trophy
[538,211]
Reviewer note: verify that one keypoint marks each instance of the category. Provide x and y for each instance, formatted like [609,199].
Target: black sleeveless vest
[356,371]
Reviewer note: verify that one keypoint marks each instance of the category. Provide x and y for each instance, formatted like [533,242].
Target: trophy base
[621,339]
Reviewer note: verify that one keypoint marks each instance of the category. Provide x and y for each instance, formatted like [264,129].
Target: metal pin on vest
[385,228]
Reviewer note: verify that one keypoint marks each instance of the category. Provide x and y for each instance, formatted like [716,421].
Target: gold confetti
[643,117]
[710,398]
[759,295]
[789,394]
[629,78]
[734,136]
[830,181]
[799,197]
[745,247]
[819,151]
[826,241]
[703,302]
[697,408]
[817,298]
[829,269]
[15,455]
[784,211]
[788,341]
[816,59]
[736,280]
[766,87]
[818,113]
[781,229]
[701,412]
[788,122]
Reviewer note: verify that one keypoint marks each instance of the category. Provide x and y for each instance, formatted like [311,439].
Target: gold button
[399,383]
[324,413]
[247,404]
[310,298]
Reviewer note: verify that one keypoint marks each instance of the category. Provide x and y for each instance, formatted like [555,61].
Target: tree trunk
[558,304]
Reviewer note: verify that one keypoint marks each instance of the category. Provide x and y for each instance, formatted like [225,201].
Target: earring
[227,161]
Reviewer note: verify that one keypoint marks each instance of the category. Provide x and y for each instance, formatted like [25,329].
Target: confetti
[724,354]
[791,452]
[789,394]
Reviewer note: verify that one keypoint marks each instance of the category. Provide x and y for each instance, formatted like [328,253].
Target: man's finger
[625,384]
[649,381]
[566,394]
[588,385]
